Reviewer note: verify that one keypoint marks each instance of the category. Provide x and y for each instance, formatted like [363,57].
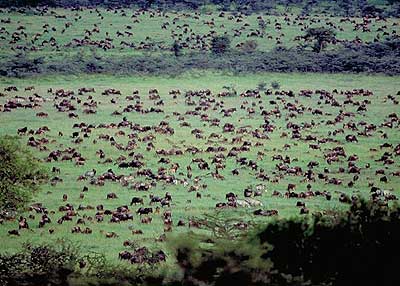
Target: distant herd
[181,28]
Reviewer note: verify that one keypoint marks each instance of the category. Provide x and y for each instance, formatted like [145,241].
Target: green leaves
[20,174]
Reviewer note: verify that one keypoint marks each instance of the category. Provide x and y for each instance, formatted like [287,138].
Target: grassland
[326,108]
[185,204]
[52,34]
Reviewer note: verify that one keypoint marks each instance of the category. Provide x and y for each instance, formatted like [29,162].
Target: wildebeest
[144,211]
[136,200]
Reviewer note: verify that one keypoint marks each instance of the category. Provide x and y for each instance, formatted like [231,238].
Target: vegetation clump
[20,174]
[220,44]
[319,37]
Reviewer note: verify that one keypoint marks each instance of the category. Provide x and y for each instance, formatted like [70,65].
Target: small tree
[262,25]
[320,37]
[177,48]
[20,174]
[220,44]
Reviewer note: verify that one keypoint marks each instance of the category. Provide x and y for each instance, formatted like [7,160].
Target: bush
[39,265]
[220,44]
[20,174]
[262,86]
[21,65]
[356,247]
[275,85]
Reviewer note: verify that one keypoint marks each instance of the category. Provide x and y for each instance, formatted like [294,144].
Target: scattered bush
[381,57]
[39,265]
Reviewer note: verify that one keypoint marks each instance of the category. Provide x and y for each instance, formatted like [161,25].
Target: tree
[220,44]
[20,174]
[262,25]
[177,48]
[320,37]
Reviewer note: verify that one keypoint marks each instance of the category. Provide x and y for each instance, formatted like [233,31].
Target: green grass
[378,110]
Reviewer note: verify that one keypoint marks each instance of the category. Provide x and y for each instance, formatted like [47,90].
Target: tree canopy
[320,37]
[20,174]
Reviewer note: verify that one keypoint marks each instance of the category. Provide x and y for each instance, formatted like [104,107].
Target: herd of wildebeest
[247,151]
[218,140]
[123,30]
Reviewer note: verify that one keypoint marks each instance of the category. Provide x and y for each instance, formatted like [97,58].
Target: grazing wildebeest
[136,200]
[144,211]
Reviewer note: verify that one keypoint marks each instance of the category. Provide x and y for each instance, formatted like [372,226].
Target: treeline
[339,7]
[380,57]
[358,247]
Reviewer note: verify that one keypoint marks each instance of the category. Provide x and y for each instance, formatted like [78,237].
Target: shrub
[381,57]
[262,86]
[275,85]
[39,265]
[20,65]
[356,247]
[220,44]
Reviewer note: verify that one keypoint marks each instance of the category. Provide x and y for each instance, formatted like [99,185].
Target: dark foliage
[39,265]
[220,44]
[20,174]
[177,49]
[380,57]
[320,37]
[355,248]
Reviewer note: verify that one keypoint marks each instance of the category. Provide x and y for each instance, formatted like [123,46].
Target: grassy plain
[53,37]
[51,196]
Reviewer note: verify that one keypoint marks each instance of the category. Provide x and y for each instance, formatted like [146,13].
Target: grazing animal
[136,200]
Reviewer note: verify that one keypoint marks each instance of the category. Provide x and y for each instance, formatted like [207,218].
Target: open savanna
[58,33]
[185,204]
